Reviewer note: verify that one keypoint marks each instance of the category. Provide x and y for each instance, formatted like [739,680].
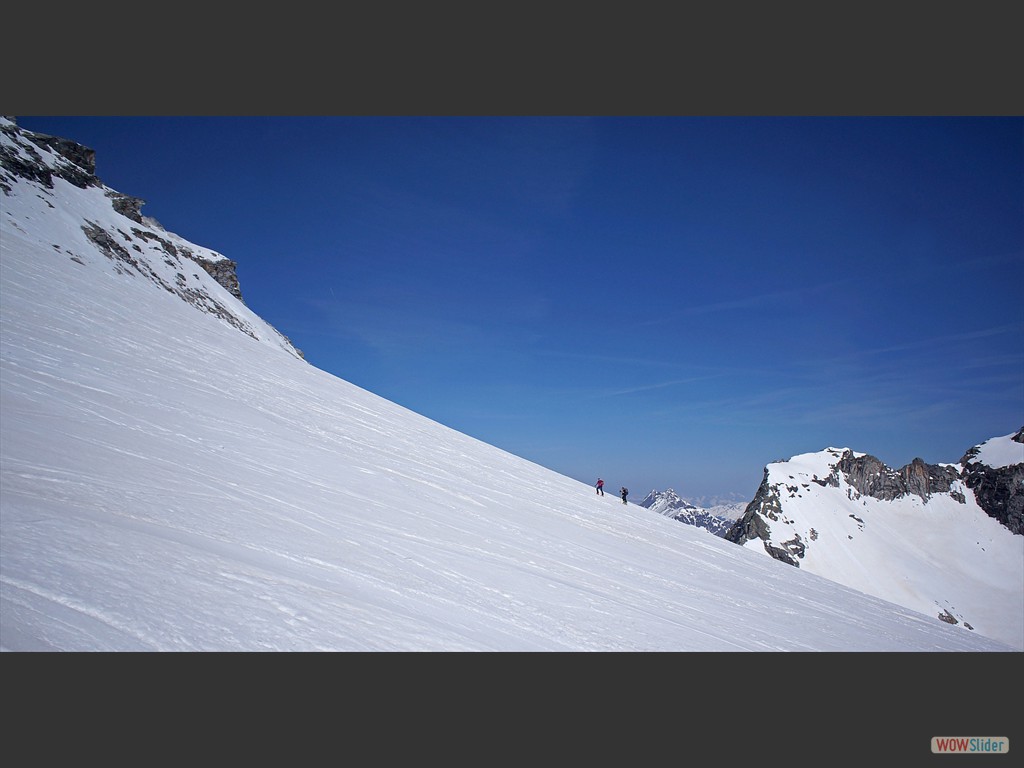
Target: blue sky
[660,301]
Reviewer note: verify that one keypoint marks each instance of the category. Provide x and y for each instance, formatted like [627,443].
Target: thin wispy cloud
[657,385]
[937,343]
[750,301]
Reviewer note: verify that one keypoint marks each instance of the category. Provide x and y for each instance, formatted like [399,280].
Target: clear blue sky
[663,301]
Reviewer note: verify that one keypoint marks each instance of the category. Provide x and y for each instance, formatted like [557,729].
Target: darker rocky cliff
[871,477]
[766,505]
[999,490]
[76,164]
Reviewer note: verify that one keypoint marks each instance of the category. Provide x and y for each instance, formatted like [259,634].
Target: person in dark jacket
[600,487]
[624,492]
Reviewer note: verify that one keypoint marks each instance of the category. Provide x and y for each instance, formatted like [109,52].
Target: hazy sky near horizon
[661,301]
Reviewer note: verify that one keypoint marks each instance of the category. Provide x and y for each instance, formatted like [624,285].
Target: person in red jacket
[600,487]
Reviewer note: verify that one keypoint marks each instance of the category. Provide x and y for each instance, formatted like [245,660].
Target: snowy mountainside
[917,537]
[716,520]
[175,477]
[61,200]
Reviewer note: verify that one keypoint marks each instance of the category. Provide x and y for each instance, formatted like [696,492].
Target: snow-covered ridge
[998,452]
[940,539]
[101,228]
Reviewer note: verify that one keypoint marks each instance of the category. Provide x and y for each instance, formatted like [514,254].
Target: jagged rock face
[766,505]
[79,155]
[871,477]
[925,479]
[224,272]
[999,490]
[127,205]
[76,164]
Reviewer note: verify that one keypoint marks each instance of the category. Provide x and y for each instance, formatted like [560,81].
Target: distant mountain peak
[670,504]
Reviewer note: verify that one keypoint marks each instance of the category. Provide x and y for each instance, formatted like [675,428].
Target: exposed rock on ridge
[766,505]
[870,477]
[999,491]
[26,156]
[77,165]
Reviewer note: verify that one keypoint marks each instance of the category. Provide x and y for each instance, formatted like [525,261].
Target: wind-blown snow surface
[170,483]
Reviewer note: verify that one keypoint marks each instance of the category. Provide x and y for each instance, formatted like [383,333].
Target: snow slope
[173,481]
[938,556]
[997,452]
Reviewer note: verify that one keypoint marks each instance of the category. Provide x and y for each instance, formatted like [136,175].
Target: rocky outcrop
[138,247]
[868,476]
[76,164]
[925,479]
[224,272]
[77,154]
[766,505]
[127,205]
[998,490]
